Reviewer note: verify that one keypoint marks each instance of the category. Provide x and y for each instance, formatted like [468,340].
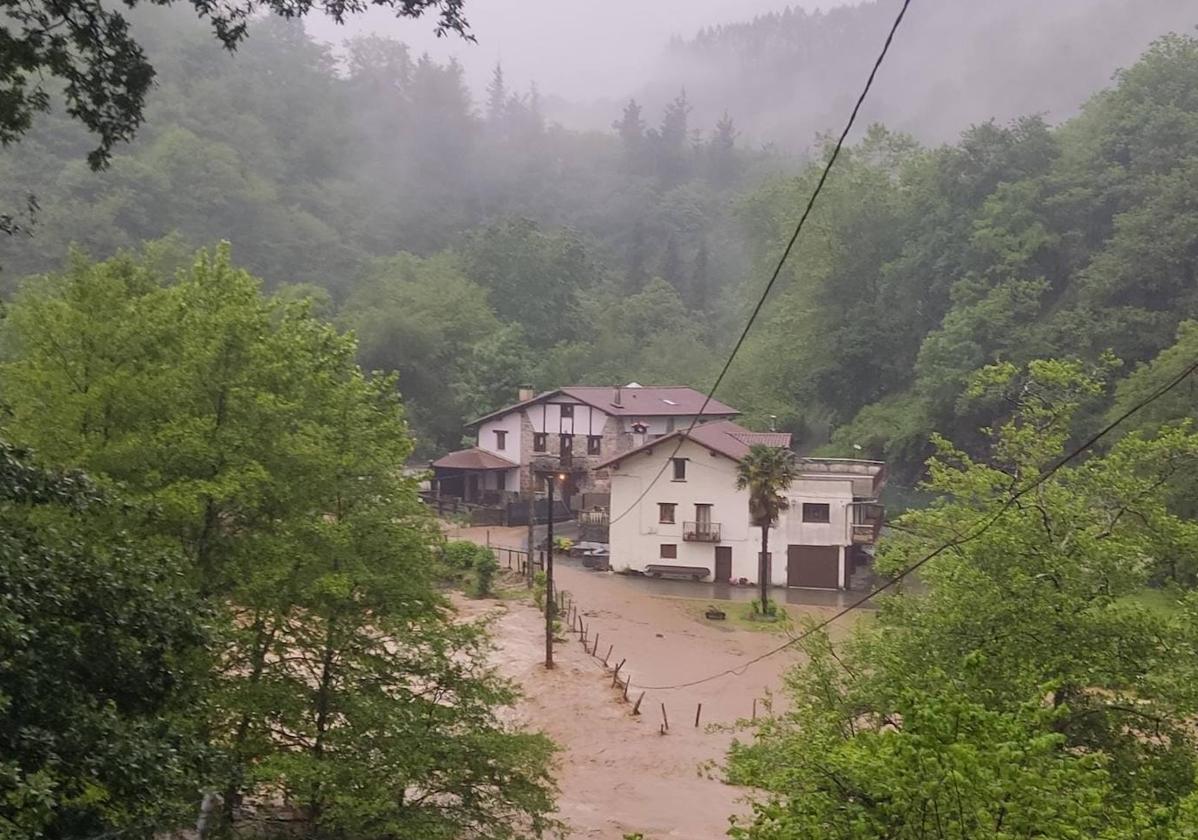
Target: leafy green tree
[532,276]
[100,638]
[424,320]
[1021,691]
[767,473]
[245,426]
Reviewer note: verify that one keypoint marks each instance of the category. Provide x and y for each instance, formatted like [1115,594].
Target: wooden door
[813,566]
[723,563]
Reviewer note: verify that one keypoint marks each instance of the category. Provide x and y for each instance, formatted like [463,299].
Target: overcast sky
[580,49]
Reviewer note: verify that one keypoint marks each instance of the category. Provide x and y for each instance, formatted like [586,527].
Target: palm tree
[767,472]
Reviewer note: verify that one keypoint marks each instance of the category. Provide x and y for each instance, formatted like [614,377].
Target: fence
[572,620]
[516,559]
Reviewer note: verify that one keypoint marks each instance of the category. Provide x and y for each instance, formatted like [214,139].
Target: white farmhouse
[570,430]
[694,521]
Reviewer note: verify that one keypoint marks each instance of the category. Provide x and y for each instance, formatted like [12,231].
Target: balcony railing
[867,522]
[701,531]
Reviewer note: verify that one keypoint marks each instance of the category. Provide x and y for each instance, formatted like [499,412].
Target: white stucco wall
[509,423]
[636,537]
[837,494]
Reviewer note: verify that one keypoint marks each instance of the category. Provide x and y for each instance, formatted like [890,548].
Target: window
[567,411]
[594,442]
[540,442]
[501,480]
[567,444]
[500,440]
[703,516]
[665,512]
[679,469]
[815,512]
[669,551]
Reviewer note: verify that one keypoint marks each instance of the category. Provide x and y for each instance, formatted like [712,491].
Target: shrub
[563,545]
[485,568]
[539,582]
[770,613]
[461,555]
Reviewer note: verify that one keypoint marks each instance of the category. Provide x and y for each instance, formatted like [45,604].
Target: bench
[662,570]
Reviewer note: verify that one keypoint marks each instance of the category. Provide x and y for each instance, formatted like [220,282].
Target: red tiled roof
[781,439]
[473,459]
[635,401]
[641,401]
[723,436]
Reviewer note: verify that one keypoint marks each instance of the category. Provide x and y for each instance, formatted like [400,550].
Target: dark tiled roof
[635,401]
[473,459]
[768,438]
[723,436]
[649,401]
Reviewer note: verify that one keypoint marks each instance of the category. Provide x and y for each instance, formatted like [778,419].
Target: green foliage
[1018,242]
[484,575]
[1022,689]
[767,473]
[562,545]
[539,584]
[101,638]
[467,561]
[463,554]
[244,428]
[763,612]
[103,73]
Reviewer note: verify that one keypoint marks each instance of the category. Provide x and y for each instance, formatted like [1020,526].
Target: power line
[819,186]
[972,534]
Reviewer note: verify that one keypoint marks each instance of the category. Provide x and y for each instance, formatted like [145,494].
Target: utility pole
[549,600]
[532,527]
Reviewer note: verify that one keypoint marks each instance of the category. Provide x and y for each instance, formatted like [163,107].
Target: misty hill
[791,75]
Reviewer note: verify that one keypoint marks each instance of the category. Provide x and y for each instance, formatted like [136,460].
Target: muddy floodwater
[618,773]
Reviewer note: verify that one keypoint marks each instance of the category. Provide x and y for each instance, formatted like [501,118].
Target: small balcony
[701,532]
[867,522]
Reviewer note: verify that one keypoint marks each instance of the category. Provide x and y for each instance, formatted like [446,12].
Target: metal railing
[867,522]
[701,531]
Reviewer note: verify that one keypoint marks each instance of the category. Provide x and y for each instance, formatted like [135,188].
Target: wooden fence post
[610,648]
[636,709]
[665,721]
[615,678]
[698,711]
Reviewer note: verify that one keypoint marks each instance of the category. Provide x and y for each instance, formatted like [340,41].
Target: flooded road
[620,773]
[671,588]
[726,592]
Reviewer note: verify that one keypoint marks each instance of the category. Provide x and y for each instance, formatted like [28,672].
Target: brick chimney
[525,393]
[617,401]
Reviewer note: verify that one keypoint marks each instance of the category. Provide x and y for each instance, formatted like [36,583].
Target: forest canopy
[476,246]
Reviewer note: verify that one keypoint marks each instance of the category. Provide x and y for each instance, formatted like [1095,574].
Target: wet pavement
[701,590]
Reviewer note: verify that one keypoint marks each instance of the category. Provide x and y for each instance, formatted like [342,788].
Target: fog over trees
[225,342]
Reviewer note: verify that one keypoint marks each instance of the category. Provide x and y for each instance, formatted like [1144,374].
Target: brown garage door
[813,566]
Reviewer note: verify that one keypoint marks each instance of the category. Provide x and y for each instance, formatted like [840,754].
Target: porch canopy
[463,473]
